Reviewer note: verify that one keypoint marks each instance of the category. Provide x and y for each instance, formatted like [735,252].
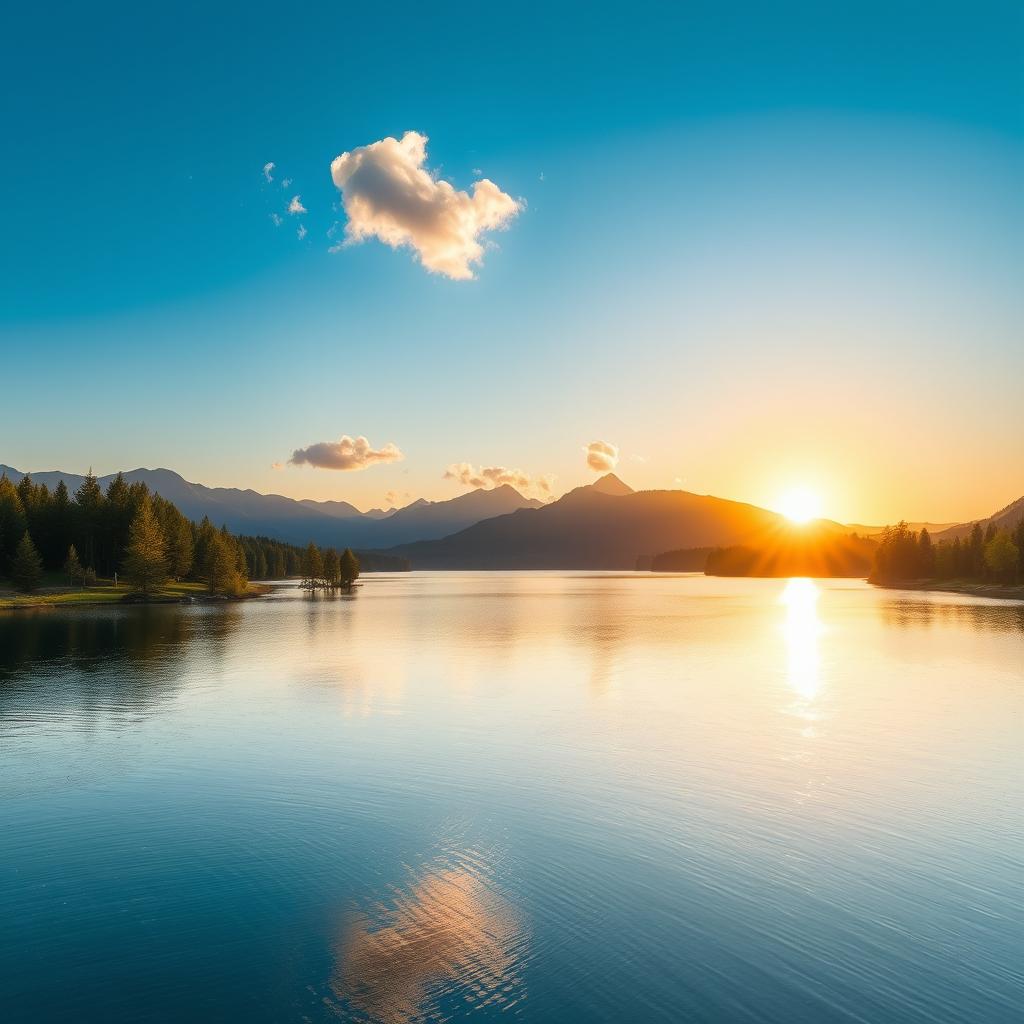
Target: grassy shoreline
[104,593]
[1002,591]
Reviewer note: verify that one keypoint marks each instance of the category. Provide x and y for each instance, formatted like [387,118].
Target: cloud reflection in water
[449,932]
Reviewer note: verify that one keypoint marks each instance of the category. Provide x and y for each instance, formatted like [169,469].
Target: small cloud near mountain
[347,453]
[602,456]
[497,476]
[389,194]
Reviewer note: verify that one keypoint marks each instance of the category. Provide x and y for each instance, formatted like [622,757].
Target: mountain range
[607,525]
[330,523]
[604,525]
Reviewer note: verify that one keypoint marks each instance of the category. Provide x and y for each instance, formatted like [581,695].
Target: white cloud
[268,171]
[285,182]
[602,456]
[295,206]
[276,218]
[302,232]
[488,477]
[389,194]
[348,453]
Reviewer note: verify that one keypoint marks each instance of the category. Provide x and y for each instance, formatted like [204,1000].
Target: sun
[800,505]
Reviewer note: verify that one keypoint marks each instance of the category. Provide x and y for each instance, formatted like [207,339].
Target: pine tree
[27,567]
[222,573]
[349,568]
[60,527]
[72,566]
[312,567]
[145,562]
[179,547]
[332,568]
[89,503]
[925,554]
[204,548]
[12,522]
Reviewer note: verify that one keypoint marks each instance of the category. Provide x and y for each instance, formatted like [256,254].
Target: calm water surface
[542,797]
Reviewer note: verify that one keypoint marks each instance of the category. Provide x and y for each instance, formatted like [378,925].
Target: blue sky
[760,246]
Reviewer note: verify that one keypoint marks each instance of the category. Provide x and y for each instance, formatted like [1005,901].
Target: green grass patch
[104,592]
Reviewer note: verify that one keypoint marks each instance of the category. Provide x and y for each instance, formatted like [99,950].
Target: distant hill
[1005,518]
[605,525]
[334,523]
[876,531]
[815,550]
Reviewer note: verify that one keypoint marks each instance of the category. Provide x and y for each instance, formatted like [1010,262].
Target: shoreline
[184,593]
[998,591]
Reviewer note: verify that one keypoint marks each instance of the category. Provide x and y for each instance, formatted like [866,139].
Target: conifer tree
[27,567]
[312,567]
[145,562]
[60,528]
[12,522]
[72,566]
[204,548]
[332,568]
[349,568]
[89,502]
[179,547]
[925,554]
[220,564]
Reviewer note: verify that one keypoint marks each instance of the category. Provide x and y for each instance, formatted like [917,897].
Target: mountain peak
[611,484]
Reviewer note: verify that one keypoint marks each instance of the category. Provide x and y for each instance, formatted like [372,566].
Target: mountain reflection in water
[448,934]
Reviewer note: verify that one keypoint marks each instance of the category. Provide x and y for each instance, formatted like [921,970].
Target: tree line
[991,553]
[126,530]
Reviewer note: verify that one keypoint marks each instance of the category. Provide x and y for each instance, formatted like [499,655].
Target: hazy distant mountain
[605,525]
[1006,518]
[335,523]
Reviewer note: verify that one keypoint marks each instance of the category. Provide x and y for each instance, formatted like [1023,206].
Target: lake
[541,796]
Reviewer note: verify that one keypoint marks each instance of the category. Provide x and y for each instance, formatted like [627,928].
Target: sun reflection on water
[801,629]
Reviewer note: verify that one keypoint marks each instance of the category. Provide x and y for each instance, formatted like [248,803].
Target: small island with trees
[128,545]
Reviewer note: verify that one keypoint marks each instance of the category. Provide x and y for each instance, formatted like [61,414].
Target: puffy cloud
[348,453]
[602,457]
[389,194]
[488,477]
[268,171]
[295,206]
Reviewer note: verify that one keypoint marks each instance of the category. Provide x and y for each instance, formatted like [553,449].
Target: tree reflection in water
[122,659]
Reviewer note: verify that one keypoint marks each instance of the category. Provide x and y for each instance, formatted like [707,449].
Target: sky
[377,253]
